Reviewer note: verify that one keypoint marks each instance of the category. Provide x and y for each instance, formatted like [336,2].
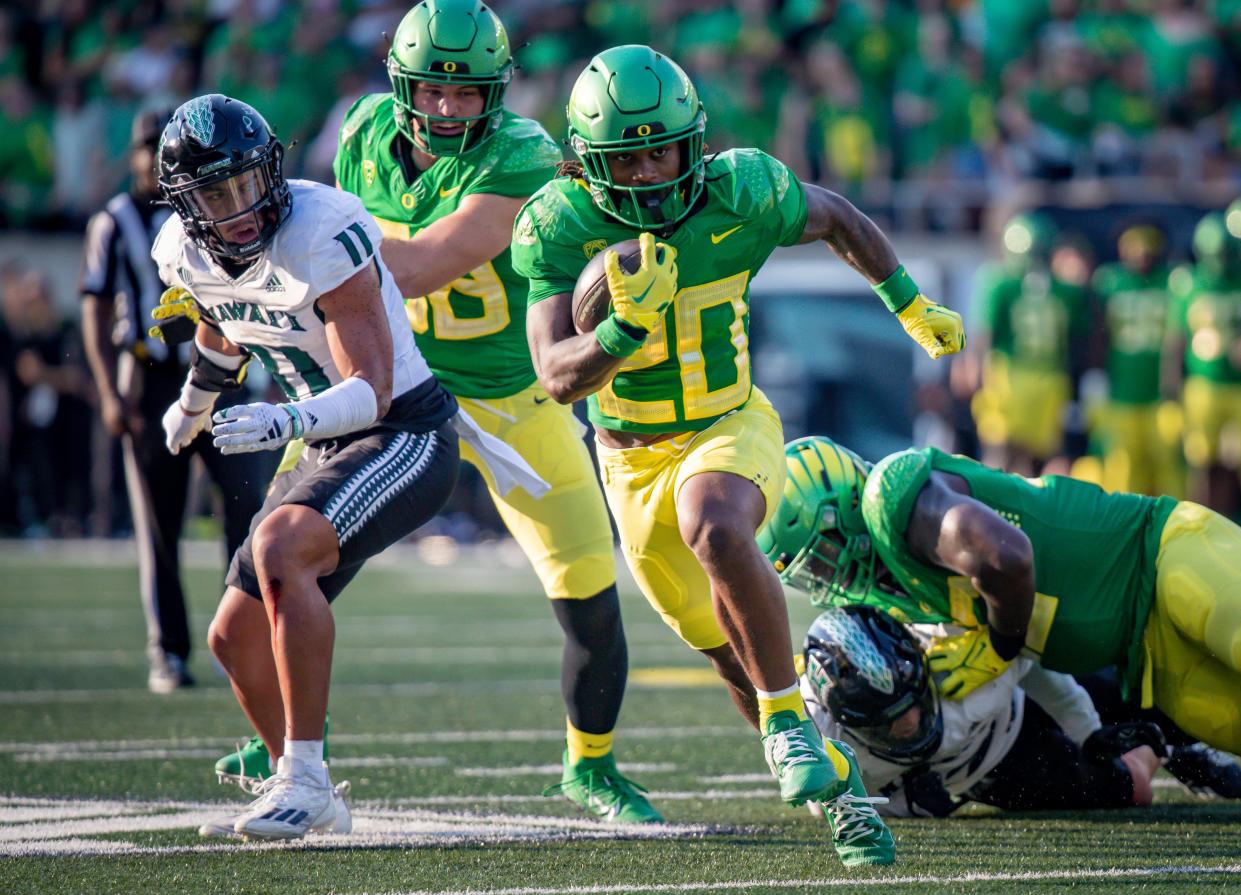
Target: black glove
[926,796]
[1114,740]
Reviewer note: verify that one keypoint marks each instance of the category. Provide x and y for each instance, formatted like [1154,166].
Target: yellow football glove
[936,328]
[640,298]
[177,315]
[966,660]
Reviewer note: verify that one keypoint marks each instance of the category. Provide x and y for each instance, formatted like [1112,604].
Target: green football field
[446,718]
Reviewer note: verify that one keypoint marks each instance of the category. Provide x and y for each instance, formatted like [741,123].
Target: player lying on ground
[690,452]
[1079,578]
[1028,740]
[287,271]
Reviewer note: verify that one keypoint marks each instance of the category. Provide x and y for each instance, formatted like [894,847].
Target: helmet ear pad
[868,670]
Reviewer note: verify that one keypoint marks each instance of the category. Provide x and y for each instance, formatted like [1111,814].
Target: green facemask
[817,539]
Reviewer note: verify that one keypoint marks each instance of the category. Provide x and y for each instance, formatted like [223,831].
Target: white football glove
[181,427]
[252,427]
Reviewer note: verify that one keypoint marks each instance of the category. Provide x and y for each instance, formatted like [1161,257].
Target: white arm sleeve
[1064,699]
[348,406]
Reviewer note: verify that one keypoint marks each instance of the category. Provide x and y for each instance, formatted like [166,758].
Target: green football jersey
[1136,308]
[1031,318]
[694,366]
[1094,557]
[472,331]
[1207,308]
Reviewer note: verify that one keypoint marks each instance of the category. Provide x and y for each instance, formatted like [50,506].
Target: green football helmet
[1215,248]
[629,98]
[1028,238]
[459,42]
[817,538]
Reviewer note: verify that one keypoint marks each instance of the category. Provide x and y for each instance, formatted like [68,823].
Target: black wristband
[1006,646]
[210,376]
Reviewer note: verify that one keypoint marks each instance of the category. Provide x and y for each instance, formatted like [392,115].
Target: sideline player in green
[444,168]
[690,451]
[1137,429]
[1028,325]
[1053,567]
[1206,344]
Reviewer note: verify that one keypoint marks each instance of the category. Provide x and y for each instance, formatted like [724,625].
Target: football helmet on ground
[869,672]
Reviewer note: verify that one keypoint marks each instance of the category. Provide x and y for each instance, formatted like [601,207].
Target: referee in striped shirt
[137,377]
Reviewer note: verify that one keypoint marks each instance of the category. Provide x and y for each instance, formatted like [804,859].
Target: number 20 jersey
[271,307]
[695,366]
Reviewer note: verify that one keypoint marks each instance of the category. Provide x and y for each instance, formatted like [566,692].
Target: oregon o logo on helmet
[450,67]
[644,130]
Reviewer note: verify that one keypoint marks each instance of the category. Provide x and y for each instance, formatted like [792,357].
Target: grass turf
[446,717]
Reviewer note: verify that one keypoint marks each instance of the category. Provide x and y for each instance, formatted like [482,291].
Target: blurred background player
[1206,346]
[866,681]
[444,168]
[689,449]
[1027,320]
[1137,430]
[137,376]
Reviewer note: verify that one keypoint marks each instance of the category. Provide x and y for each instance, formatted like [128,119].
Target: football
[591,300]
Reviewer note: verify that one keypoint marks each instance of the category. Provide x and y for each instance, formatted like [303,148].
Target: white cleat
[290,806]
[225,826]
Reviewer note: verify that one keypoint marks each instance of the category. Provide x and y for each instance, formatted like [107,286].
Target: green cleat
[795,754]
[247,767]
[251,763]
[859,834]
[597,787]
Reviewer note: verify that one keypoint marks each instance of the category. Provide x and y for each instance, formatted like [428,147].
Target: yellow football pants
[565,534]
[1212,422]
[641,485]
[1139,453]
[1193,634]
[1020,406]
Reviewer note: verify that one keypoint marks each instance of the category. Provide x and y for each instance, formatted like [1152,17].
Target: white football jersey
[270,307]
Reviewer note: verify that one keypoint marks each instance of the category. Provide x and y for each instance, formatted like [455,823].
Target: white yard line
[31,827]
[787,885]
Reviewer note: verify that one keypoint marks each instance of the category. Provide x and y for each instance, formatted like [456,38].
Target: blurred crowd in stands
[953,102]
[861,94]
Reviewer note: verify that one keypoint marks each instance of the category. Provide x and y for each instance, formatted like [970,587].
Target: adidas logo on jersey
[273,284]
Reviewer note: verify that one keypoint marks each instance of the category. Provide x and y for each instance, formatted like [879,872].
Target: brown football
[591,300]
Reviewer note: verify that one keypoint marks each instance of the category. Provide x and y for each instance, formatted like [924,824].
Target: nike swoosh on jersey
[717,238]
[444,194]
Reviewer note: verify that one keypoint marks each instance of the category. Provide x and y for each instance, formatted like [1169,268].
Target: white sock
[307,758]
[776,694]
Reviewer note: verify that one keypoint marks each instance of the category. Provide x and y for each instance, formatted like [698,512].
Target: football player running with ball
[444,169]
[691,453]
[286,271]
